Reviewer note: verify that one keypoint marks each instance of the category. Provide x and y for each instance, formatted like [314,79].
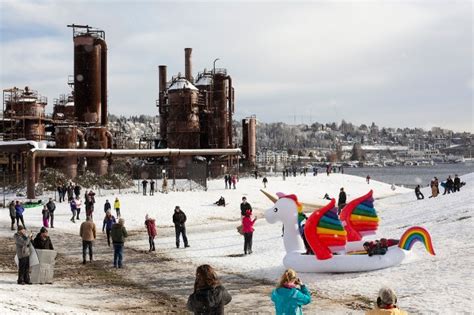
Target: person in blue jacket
[19,214]
[290,295]
[109,220]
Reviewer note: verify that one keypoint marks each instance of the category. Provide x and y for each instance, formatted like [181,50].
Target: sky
[395,63]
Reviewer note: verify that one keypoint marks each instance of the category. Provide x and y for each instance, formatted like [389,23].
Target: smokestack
[162,78]
[188,67]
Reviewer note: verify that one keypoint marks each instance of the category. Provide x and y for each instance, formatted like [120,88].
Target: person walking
[386,304]
[233,179]
[12,209]
[78,207]
[77,191]
[226,180]
[341,202]
[209,296]
[51,208]
[152,187]
[118,233]
[88,235]
[265,181]
[109,221]
[60,193]
[418,193]
[434,187]
[164,185]
[179,220]
[22,242]
[247,229]
[107,205]
[290,295]
[42,240]
[45,214]
[144,184]
[368,179]
[90,201]
[449,185]
[19,209]
[70,192]
[117,207]
[151,229]
[244,206]
[73,206]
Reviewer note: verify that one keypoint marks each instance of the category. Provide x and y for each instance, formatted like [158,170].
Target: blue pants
[118,254]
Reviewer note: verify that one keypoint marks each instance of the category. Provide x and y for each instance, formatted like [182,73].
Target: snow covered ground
[425,284]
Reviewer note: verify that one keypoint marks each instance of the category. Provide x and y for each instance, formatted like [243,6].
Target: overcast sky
[395,63]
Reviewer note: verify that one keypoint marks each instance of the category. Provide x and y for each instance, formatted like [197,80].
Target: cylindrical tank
[220,108]
[87,79]
[103,80]
[252,140]
[66,138]
[34,129]
[183,121]
[188,66]
[97,138]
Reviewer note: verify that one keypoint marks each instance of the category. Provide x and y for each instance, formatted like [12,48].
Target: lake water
[410,176]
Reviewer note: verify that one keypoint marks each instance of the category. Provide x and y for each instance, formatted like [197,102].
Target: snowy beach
[425,284]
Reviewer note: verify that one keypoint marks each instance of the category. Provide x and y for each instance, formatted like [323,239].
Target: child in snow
[290,295]
[151,229]
[386,304]
[220,202]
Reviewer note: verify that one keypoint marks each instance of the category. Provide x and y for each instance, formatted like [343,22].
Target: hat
[177,207]
[244,198]
[248,212]
[121,221]
[43,230]
[387,296]
[20,227]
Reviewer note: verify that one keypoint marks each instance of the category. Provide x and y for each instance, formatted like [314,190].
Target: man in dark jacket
[118,233]
[210,300]
[42,240]
[244,206]
[457,183]
[51,207]
[12,209]
[341,202]
[152,187]
[90,201]
[179,220]
[107,206]
[77,191]
[144,184]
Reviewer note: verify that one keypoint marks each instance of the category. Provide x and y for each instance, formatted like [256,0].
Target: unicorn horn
[274,199]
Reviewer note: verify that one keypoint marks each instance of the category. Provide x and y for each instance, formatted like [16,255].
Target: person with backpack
[151,229]
[109,220]
[209,296]
[290,295]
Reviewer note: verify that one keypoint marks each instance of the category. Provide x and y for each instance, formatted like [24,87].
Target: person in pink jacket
[247,229]
[151,229]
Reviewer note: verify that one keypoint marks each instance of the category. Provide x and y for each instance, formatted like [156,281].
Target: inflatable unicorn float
[337,240]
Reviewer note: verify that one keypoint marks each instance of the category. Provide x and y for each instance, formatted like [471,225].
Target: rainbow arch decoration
[416,234]
[360,217]
[324,231]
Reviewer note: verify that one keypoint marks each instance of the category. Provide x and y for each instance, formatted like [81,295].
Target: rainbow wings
[360,218]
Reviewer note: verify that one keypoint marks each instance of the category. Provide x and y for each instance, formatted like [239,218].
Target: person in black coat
[51,208]
[457,183]
[209,296]
[179,220]
[42,240]
[341,202]
[152,187]
[77,190]
[144,184]
[244,206]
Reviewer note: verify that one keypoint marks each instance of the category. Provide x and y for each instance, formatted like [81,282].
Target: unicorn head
[286,210]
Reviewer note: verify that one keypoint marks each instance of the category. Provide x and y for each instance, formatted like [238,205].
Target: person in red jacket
[151,229]
[247,229]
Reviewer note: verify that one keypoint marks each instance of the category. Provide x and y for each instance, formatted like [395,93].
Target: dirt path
[152,282]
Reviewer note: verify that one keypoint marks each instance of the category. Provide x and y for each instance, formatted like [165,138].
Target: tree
[357,153]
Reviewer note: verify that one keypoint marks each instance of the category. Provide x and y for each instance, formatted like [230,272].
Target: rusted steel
[87,79]
[103,80]
[188,66]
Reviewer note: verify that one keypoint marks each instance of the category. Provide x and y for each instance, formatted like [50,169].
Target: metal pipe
[103,80]
[110,139]
[231,110]
[81,138]
[188,71]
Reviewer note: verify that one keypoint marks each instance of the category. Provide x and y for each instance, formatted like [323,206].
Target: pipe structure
[188,67]
[162,110]
[231,110]
[109,153]
[103,83]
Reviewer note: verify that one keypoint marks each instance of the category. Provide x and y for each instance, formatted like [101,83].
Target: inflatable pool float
[328,238]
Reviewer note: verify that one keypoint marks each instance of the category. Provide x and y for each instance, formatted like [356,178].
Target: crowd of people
[450,185]
[209,295]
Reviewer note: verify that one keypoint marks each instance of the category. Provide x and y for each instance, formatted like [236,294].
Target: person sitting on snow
[220,202]
[379,247]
